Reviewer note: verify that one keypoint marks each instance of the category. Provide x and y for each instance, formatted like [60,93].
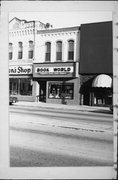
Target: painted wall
[53,37]
[96,48]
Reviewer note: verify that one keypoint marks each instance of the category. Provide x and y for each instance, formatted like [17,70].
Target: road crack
[74,128]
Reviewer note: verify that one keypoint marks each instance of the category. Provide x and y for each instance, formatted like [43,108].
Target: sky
[64,19]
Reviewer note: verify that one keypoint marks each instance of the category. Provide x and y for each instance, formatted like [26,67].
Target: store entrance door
[42,93]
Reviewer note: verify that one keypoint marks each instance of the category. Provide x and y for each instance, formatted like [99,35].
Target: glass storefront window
[25,87]
[59,91]
[20,86]
[13,87]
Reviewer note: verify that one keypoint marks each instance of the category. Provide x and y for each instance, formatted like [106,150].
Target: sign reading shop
[20,70]
[54,70]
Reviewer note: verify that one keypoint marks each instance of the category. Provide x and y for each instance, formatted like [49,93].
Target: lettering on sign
[54,70]
[20,70]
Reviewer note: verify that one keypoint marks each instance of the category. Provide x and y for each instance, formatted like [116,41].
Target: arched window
[59,51]
[47,51]
[10,51]
[70,50]
[31,50]
[20,50]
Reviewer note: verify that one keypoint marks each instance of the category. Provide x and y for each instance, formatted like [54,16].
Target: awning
[103,81]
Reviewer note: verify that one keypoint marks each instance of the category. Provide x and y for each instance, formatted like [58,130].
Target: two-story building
[43,62]
[56,65]
[21,56]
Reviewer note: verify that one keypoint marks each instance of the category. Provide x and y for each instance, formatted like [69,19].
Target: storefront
[102,90]
[20,82]
[57,82]
[97,90]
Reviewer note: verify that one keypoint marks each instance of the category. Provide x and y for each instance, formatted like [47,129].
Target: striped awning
[103,81]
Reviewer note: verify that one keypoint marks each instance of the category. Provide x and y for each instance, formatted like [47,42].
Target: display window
[61,90]
[13,86]
[20,86]
[25,87]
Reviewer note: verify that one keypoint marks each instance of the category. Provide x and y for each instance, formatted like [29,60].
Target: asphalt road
[42,137]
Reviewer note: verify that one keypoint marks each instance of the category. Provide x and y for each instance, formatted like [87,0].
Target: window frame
[47,54]
[59,53]
[20,50]
[10,51]
[63,87]
[31,50]
[71,53]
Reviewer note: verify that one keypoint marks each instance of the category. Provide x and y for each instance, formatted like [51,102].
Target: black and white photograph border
[7,172]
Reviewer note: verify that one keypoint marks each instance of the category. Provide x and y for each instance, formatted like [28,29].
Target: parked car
[12,100]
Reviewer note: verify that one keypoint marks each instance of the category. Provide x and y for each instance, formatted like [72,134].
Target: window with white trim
[59,51]
[70,50]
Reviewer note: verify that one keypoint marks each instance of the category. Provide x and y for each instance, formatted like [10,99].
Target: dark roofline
[14,18]
[96,22]
[58,30]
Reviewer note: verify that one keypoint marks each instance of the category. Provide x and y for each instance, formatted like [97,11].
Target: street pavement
[46,135]
[70,118]
[96,115]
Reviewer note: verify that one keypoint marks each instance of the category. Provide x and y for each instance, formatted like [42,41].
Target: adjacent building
[96,63]
[21,57]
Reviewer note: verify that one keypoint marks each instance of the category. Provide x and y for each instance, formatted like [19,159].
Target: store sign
[20,70]
[54,70]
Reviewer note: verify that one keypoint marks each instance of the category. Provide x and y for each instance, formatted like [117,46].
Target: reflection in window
[13,86]
[10,51]
[20,86]
[71,50]
[59,51]
[31,50]
[58,91]
[25,87]
[20,50]
[48,51]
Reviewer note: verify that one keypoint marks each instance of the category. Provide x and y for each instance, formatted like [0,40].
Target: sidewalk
[62,106]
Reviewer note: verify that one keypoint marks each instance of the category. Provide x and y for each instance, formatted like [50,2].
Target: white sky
[64,19]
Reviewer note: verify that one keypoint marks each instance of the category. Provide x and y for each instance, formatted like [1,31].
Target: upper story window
[20,50]
[47,51]
[59,50]
[70,50]
[10,51]
[31,50]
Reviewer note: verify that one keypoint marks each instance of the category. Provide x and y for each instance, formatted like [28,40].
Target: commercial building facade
[96,63]
[56,65]
[21,57]
[43,63]
[61,65]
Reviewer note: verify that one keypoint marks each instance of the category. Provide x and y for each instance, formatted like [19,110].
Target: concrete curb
[66,107]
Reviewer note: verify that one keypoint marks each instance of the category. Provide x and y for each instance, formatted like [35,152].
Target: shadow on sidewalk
[102,111]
